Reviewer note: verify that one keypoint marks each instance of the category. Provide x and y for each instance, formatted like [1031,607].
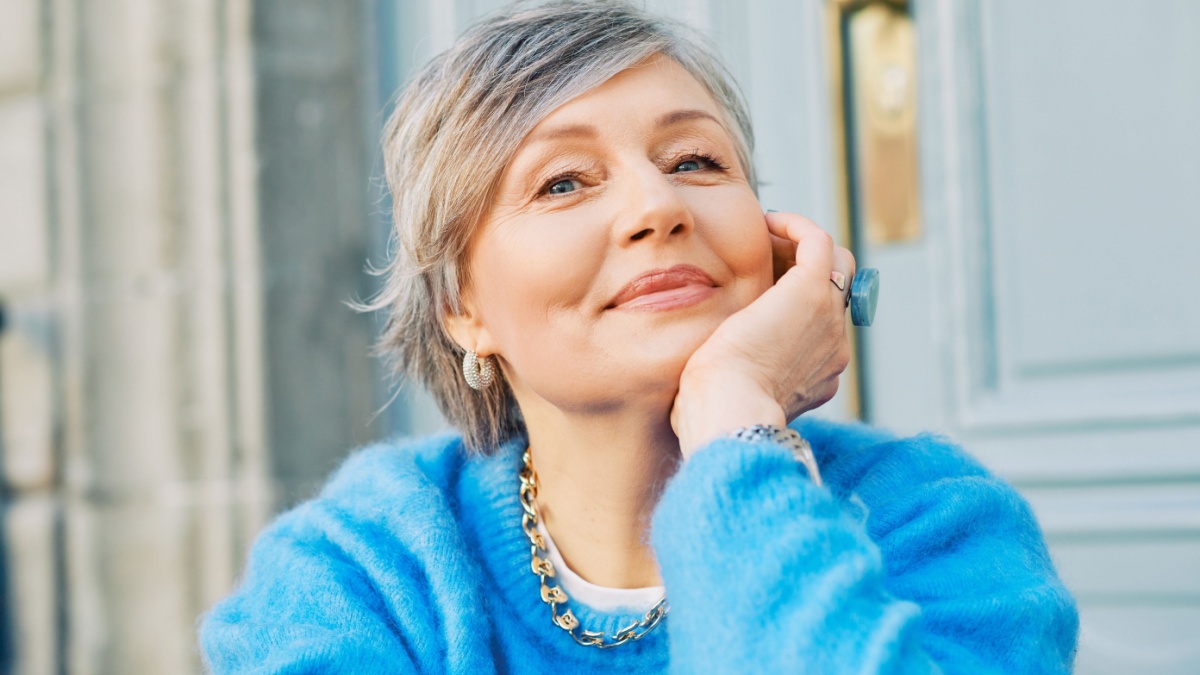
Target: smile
[665,289]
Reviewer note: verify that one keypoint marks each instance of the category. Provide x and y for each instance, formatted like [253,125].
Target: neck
[599,478]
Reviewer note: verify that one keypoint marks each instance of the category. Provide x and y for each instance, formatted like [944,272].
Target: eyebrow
[678,116]
[587,131]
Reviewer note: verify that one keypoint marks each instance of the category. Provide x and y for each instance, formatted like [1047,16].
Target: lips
[660,280]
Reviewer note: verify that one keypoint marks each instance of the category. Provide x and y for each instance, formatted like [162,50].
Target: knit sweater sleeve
[350,581]
[914,560]
[302,608]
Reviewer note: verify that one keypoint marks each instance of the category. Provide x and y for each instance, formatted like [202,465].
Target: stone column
[30,348]
[185,211]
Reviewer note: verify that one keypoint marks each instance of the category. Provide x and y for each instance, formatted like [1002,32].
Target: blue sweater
[912,559]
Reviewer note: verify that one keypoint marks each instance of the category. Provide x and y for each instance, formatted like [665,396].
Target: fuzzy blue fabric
[912,559]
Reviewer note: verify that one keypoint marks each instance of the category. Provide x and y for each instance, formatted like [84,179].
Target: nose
[654,208]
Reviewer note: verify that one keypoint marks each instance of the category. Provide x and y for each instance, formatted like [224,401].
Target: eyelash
[555,180]
[693,155]
[698,155]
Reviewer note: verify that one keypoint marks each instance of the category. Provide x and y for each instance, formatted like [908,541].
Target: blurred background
[190,192]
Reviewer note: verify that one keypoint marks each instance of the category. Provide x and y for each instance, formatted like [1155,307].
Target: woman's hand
[779,356]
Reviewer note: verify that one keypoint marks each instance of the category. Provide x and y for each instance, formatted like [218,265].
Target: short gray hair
[471,104]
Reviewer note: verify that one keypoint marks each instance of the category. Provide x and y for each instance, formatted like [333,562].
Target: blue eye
[563,186]
[689,165]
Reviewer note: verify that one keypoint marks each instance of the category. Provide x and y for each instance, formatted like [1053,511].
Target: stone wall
[184,209]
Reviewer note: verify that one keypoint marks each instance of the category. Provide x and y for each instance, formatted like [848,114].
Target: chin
[658,360]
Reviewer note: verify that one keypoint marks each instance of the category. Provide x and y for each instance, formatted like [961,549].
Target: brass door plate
[881,65]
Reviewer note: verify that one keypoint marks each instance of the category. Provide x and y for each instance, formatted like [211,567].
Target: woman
[585,281]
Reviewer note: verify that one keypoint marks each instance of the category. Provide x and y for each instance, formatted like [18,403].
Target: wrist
[711,404]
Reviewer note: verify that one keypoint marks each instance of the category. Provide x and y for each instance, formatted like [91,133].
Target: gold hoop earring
[478,372]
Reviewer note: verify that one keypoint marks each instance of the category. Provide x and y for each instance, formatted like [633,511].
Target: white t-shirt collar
[600,598]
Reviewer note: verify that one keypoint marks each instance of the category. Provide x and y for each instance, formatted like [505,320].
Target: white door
[1047,315]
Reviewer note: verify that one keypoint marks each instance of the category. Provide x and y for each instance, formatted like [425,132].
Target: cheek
[733,225]
[526,276]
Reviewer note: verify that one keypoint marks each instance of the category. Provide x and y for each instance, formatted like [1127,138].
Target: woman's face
[623,232]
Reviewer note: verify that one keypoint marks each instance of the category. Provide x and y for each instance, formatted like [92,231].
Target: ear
[468,328]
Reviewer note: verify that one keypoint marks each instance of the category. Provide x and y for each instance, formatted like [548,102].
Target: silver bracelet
[787,437]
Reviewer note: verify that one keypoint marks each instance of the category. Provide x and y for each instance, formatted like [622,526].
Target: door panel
[1091,177]
[1135,639]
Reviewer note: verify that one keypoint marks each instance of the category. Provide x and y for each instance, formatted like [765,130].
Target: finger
[814,246]
[783,255]
[790,226]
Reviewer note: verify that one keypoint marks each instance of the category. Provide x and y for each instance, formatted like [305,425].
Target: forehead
[642,93]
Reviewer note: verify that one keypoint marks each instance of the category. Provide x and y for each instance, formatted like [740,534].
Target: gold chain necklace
[554,595]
